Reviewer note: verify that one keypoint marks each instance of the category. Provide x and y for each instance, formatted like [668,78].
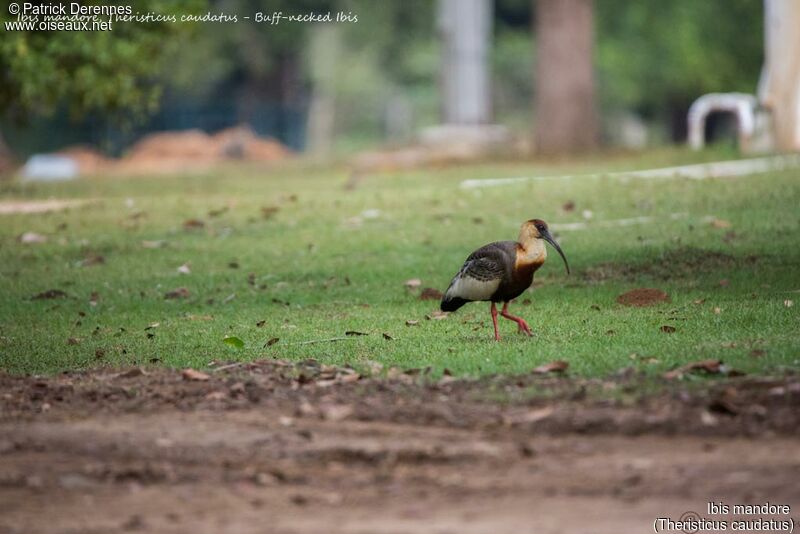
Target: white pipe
[740,104]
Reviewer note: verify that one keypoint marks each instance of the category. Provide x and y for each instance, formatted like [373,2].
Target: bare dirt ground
[278,447]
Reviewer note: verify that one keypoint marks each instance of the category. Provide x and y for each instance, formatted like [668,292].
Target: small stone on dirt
[194,375]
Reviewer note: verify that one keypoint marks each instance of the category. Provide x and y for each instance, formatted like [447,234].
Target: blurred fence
[285,124]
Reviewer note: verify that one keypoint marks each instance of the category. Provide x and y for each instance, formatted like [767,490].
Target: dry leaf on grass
[437,315]
[413,283]
[430,293]
[643,297]
[412,322]
[193,224]
[49,294]
[556,366]
[711,366]
[30,238]
[178,293]
[667,329]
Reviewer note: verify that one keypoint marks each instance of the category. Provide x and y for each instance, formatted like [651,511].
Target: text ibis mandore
[502,271]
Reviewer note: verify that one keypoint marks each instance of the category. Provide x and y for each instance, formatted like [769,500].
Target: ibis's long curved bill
[547,237]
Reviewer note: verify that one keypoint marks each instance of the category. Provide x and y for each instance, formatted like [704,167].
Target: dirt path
[280,449]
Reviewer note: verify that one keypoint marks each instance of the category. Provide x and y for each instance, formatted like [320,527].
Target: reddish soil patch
[276,447]
[176,151]
[642,297]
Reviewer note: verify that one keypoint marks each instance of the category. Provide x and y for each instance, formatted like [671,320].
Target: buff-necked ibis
[501,271]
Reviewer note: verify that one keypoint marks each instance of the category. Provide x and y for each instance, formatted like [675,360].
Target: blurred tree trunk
[566,117]
[779,87]
[6,157]
[465,27]
[323,57]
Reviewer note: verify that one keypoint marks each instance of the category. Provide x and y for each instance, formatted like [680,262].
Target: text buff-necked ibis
[502,271]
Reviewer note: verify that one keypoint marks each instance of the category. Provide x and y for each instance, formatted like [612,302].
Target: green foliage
[653,54]
[113,71]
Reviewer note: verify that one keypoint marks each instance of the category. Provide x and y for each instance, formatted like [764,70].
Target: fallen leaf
[437,315]
[261,323]
[720,223]
[717,310]
[698,301]
[412,322]
[568,206]
[179,293]
[185,268]
[267,212]
[557,366]
[99,353]
[73,341]
[193,375]
[94,298]
[610,332]
[413,283]
[30,238]
[92,259]
[667,329]
[430,293]
[193,317]
[709,366]
[642,297]
[271,341]
[154,244]
[152,325]
[49,294]
[355,333]
[136,371]
[336,412]
[788,303]
[387,337]
[193,224]
[529,416]
[233,341]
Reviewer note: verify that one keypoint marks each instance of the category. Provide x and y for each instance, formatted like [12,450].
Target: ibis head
[537,229]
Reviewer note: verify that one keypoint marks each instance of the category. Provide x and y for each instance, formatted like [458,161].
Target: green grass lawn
[331,260]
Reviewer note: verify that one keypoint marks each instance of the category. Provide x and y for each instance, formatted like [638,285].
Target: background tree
[566,117]
[114,72]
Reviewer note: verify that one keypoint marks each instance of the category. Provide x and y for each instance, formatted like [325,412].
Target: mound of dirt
[171,151]
[89,160]
[641,297]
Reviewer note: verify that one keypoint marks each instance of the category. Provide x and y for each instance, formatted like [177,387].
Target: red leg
[494,321]
[523,326]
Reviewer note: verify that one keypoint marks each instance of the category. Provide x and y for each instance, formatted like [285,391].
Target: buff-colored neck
[532,248]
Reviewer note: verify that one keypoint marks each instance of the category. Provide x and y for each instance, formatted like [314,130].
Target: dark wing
[481,274]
